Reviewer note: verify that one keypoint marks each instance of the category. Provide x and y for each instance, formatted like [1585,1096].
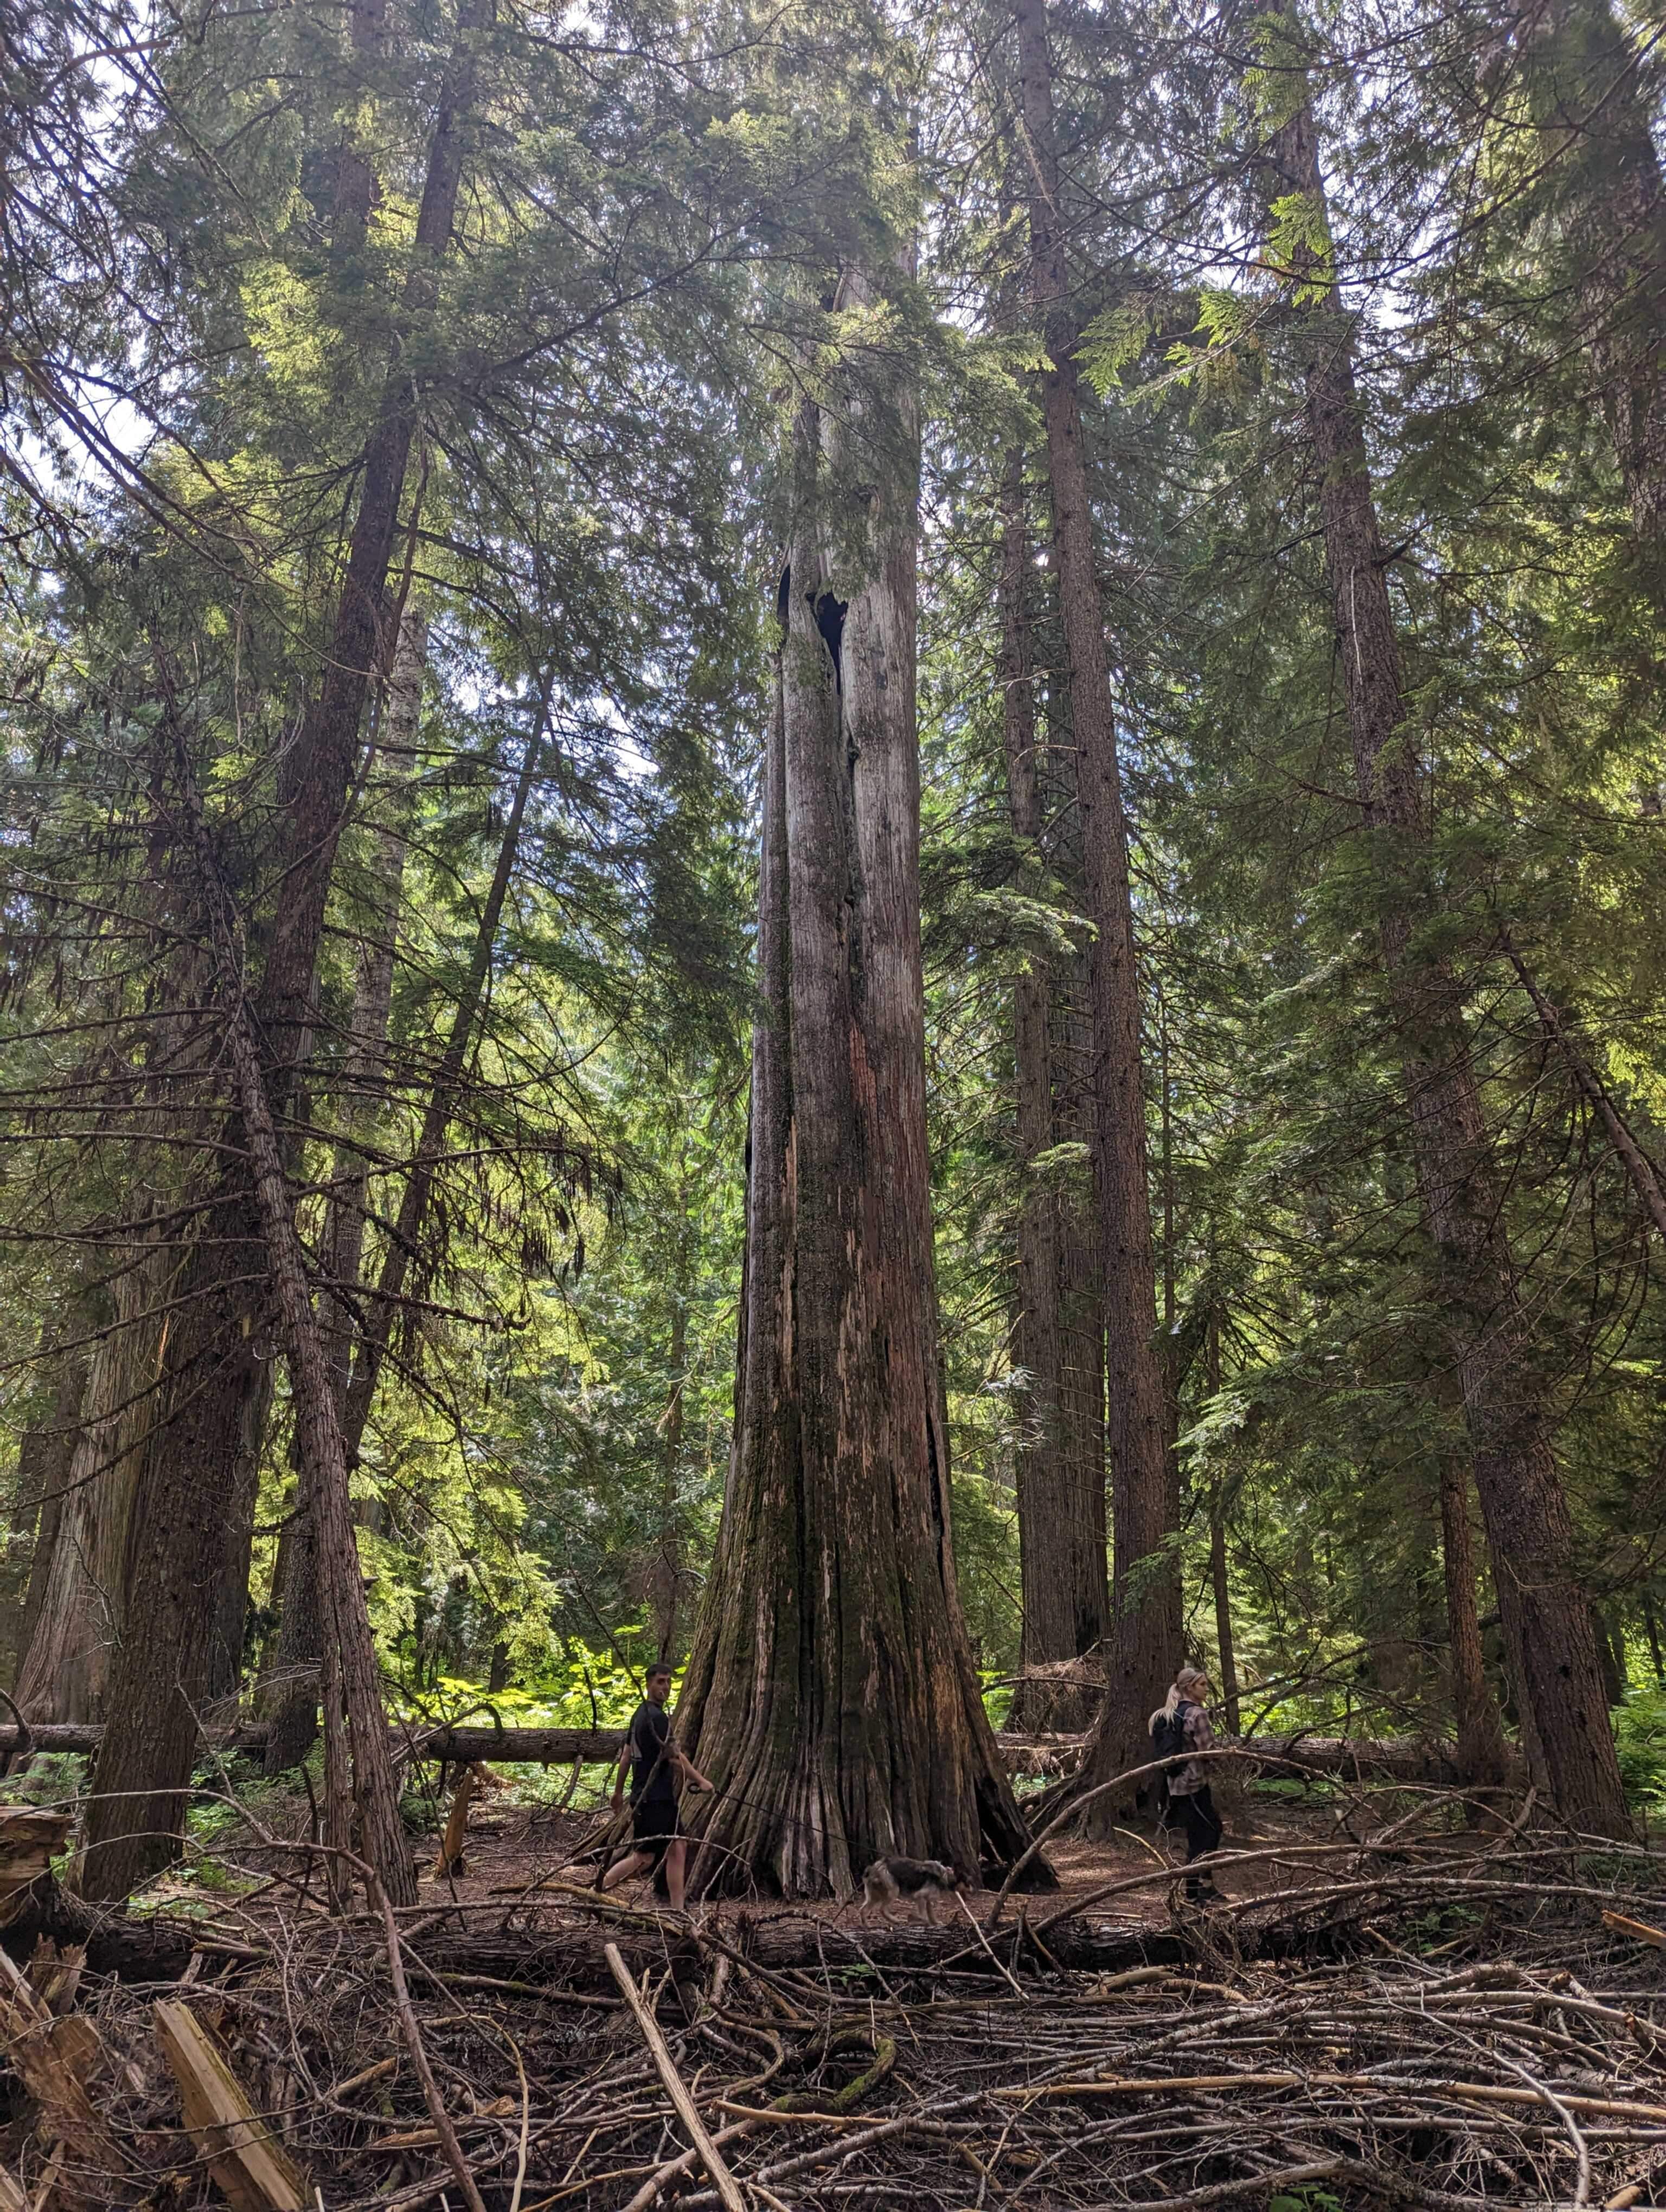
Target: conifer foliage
[832,844]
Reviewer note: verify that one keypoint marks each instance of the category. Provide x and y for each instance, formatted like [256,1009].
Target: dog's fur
[888,1881]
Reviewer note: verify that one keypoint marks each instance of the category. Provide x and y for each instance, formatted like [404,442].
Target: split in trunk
[1219,1580]
[831,1694]
[1482,1756]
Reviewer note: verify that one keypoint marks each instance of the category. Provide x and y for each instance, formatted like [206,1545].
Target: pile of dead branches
[1417,2016]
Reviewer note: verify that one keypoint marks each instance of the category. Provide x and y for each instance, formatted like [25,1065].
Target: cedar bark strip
[1220,1578]
[1529,1525]
[1146,1640]
[185,1486]
[830,1652]
[1060,1490]
[76,1610]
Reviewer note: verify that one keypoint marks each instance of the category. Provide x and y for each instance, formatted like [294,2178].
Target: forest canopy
[833,847]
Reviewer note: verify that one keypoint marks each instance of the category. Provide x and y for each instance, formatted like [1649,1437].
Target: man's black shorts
[654,1825]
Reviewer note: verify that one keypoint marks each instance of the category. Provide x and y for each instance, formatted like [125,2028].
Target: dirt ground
[511,1848]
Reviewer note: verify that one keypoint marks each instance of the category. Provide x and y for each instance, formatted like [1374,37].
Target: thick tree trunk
[1529,1525]
[186,1481]
[832,1694]
[1146,1589]
[1482,1756]
[41,1485]
[1061,1500]
[77,1606]
[290,1698]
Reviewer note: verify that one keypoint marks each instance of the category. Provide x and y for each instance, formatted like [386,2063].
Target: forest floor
[1392,2008]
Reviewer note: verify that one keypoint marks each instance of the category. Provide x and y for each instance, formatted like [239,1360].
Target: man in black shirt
[657,1767]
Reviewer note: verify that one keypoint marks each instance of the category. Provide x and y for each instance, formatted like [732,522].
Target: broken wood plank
[252,2168]
[53,2059]
[1639,1931]
[29,1836]
[473,1782]
[710,2157]
[54,1972]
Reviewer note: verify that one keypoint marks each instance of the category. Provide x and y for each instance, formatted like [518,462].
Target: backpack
[1168,1733]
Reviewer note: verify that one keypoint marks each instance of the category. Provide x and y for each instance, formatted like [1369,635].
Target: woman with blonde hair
[1181,1724]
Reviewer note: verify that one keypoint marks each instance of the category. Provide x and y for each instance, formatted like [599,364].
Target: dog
[888,1881]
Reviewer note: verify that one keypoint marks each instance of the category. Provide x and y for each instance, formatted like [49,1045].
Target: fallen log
[1394,1758]
[1409,1759]
[526,1746]
[568,1956]
[156,1948]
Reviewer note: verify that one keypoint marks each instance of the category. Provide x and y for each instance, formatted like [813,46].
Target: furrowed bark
[78,1613]
[831,1646]
[1530,1527]
[44,1459]
[1061,1500]
[186,1483]
[1144,1505]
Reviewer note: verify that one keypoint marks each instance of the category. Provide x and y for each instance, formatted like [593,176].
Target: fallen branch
[413,2037]
[685,2161]
[1486,2093]
[710,2157]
